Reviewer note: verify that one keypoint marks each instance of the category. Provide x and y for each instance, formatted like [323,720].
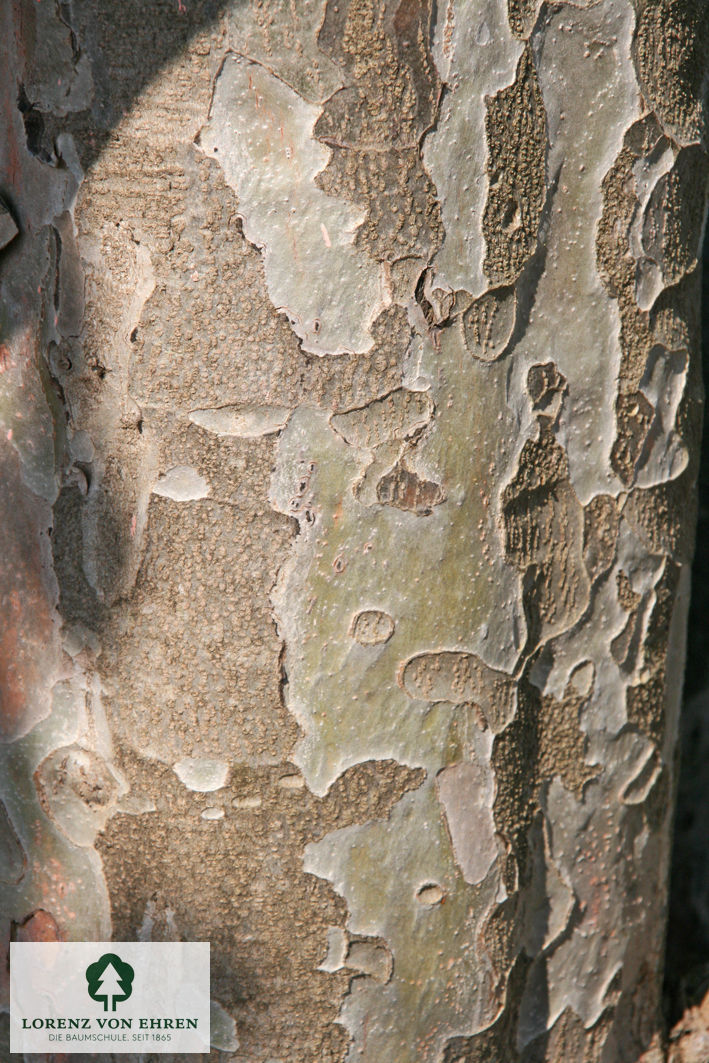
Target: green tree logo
[110,980]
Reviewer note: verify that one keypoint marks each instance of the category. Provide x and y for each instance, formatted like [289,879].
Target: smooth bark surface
[350,405]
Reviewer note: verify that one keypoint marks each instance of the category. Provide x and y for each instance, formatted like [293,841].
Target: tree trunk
[350,406]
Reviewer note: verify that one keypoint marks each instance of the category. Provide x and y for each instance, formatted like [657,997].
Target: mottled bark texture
[349,397]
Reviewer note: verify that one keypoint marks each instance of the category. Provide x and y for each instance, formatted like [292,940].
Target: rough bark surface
[349,403]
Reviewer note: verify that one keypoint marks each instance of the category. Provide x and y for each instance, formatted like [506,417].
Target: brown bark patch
[515,126]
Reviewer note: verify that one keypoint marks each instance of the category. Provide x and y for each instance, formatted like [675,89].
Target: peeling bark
[348,404]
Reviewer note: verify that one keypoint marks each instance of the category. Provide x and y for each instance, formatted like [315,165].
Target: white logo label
[109,996]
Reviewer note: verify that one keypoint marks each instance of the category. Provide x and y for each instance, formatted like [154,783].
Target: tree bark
[350,429]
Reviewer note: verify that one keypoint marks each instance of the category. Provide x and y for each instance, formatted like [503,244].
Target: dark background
[687,971]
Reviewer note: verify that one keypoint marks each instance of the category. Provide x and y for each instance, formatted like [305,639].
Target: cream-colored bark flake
[590,97]
[367,957]
[182,483]
[202,774]
[244,422]
[260,132]
[466,794]
[476,56]
[212,814]
[337,945]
